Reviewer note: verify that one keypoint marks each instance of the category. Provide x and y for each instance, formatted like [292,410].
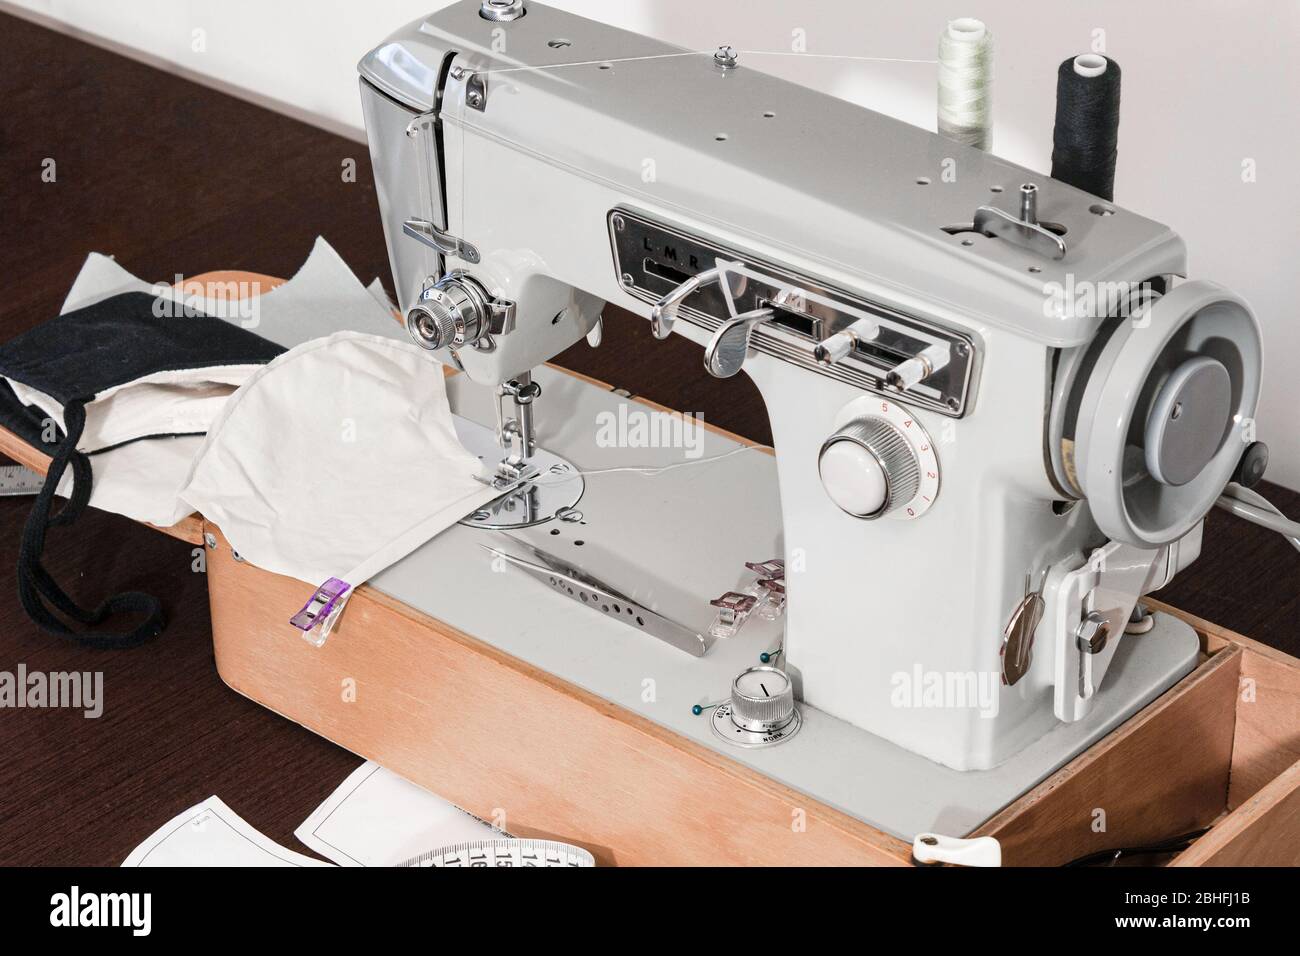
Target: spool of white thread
[965,81]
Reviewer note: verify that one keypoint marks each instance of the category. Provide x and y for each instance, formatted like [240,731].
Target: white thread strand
[648,471]
[965,81]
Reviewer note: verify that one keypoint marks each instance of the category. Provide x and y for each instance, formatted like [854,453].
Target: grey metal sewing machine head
[999,415]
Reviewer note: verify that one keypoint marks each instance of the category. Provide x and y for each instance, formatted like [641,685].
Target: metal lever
[918,368]
[444,242]
[726,351]
[664,314]
[934,848]
[831,350]
[1024,230]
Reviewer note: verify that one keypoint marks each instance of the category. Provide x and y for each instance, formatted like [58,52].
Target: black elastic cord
[36,587]
[1172,845]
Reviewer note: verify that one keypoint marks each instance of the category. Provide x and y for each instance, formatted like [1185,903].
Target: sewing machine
[999,412]
[981,469]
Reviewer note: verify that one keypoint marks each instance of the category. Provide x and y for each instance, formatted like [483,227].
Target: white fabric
[142,480]
[165,403]
[322,297]
[337,459]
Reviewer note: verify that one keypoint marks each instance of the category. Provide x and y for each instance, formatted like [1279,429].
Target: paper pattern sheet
[211,834]
[376,818]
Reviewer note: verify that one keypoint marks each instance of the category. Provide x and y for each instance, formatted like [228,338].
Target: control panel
[790,316]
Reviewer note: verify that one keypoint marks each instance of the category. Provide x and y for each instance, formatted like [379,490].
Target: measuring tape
[17,480]
[505,852]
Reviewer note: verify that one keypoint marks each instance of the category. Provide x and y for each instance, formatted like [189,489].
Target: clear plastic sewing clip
[773,605]
[317,618]
[733,610]
[769,589]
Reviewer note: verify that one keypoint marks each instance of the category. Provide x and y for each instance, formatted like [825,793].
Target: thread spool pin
[1029,203]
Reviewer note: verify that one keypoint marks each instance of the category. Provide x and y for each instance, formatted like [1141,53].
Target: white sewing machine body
[565,164]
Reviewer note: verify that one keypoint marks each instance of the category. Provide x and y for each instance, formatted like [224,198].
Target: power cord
[1254,507]
[1110,857]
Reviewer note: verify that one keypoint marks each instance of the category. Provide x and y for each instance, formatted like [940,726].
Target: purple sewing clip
[320,604]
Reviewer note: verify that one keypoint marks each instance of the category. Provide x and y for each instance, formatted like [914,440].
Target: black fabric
[123,338]
[72,358]
[26,421]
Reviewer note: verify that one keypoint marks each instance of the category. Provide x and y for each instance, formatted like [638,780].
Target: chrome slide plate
[579,586]
[652,259]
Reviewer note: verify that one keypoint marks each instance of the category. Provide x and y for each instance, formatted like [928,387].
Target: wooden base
[499,737]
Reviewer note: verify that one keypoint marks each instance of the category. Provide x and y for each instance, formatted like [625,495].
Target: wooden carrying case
[493,734]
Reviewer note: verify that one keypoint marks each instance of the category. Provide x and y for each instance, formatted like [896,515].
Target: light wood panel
[1267,738]
[1263,831]
[1268,725]
[1163,772]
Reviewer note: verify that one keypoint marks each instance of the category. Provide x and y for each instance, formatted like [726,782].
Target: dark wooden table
[171,177]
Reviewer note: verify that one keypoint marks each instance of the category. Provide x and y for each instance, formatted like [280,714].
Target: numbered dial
[761,710]
[762,699]
[880,463]
[451,312]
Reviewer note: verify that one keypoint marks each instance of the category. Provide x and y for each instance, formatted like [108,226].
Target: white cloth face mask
[333,462]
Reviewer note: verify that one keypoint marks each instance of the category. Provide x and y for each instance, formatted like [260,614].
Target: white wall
[1208,84]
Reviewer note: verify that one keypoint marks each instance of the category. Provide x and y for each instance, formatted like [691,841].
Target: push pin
[698,709]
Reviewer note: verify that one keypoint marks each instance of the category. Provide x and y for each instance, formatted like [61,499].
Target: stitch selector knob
[761,711]
[869,468]
[762,699]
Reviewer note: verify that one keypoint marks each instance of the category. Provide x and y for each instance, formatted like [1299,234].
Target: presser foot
[542,488]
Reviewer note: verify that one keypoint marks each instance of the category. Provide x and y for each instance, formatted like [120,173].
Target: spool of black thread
[1085,140]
